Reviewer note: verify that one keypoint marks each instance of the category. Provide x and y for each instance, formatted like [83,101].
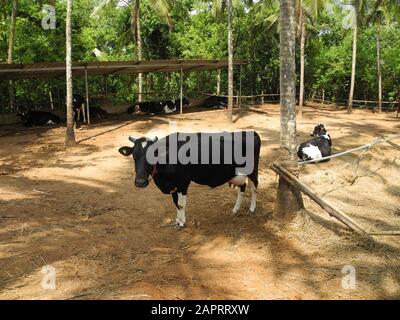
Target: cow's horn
[132,139]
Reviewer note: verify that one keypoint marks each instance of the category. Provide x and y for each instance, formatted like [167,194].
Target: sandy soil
[79,212]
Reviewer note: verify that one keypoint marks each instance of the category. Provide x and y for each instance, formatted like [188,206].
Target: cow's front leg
[239,199]
[180,203]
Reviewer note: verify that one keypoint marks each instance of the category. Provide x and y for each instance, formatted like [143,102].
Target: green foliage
[198,29]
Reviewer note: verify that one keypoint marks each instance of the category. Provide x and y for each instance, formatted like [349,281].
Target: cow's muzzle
[141,183]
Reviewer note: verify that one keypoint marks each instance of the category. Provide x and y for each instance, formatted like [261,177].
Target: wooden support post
[262,97]
[87,96]
[83,110]
[105,86]
[240,87]
[219,82]
[321,202]
[51,100]
[323,96]
[181,94]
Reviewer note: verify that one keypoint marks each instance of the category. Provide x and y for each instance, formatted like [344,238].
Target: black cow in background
[158,107]
[215,102]
[317,147]
[96,113]
[185,102]
[77,105]
[31,118]
[150,107]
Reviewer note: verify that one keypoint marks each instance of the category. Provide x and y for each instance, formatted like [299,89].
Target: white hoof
[179,223]
[235,210]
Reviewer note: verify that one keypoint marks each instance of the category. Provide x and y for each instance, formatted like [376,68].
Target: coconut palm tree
[70,134]
[378,14]
[230,62]
[356,14]
[10,53]
[289,199]
[161,7]
[306,11]
[218,7]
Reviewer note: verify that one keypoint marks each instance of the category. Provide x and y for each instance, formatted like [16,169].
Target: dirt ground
[79,212]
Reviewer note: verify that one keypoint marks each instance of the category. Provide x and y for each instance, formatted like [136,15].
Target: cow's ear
[125,151]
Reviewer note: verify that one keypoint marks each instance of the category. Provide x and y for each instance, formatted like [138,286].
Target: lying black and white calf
[211,159]
[317,147]
[215,102]
[158,107]
[38,118]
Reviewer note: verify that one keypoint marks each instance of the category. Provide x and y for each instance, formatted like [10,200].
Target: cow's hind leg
[253,203]
[239,199]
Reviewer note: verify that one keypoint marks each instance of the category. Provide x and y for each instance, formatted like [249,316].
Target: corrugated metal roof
[57,69]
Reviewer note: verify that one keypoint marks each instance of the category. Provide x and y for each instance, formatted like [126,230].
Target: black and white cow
[212,160]
[185,102]
[97,113]
[169,106]
[149,107]
[158,107]
[77,102]
[215,102]
[317,147]
[31,118]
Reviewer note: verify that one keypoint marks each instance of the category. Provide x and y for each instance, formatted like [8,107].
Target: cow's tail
[257,147]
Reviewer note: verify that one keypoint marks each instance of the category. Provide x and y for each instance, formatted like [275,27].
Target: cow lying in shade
[158,107]
[38,118]
[213,161]
[317,147]
[215,102]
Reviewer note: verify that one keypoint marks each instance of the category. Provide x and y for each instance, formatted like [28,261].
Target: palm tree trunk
[10,59]
[353,69]
[70,134]
[289,199]
[230,62]
[378,63]
[302,45]
[138,38]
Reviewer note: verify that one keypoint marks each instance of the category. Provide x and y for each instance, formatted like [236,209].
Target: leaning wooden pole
[341,216]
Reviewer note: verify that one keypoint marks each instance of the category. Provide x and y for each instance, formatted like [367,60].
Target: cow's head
[142,167]
[319,130]
[23,113]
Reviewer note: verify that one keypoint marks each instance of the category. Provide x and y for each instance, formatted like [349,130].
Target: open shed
[47,70]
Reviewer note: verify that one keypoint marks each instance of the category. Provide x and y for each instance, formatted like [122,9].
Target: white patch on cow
[238,180]
[168,110]
[180,212]
[312,152]
[326,136]
[238,203]
[51,123]
[144,144]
